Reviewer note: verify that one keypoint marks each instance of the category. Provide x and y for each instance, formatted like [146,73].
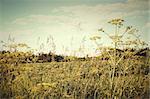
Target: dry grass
[113,75]
[71,80]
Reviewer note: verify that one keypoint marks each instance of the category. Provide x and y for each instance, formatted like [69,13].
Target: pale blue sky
[26,20]
[17,8]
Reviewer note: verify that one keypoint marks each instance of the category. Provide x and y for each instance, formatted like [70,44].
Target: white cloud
[87,16]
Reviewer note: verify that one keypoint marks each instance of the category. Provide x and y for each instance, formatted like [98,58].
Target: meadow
[75,80]
[117,73]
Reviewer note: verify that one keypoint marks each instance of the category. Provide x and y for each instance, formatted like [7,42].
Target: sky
[70,22]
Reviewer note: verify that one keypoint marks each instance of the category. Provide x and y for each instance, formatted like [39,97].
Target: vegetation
[119,72]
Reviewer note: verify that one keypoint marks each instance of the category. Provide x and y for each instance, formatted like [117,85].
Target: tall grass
[74,80]
[120,72]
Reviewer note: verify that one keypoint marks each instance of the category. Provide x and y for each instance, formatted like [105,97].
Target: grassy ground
[69,80]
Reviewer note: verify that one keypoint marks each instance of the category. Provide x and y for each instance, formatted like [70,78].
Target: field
[120,71]
[71,80]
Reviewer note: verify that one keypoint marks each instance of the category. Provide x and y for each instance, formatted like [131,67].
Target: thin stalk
[115,56]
